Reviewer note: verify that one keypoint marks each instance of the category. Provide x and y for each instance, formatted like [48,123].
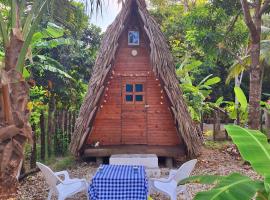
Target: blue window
[139,97]
[129,98]
[139,87]
[129,88]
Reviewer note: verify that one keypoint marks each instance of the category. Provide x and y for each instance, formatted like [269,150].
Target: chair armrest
[72,181]
[65,173]
[172,173]
[163,180]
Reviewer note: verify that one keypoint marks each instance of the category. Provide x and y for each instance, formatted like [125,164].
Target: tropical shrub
[196,95]
[238,111]
[255,149]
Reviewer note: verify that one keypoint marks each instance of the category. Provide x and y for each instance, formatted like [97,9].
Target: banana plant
[195,95]
[19,20]
[255,149]
[236,111]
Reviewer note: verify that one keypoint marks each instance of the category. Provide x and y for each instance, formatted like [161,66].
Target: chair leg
[87,194]
[50,195]
[173,196]
[60,198]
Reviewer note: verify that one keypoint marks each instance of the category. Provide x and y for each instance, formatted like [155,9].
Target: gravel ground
[218,162]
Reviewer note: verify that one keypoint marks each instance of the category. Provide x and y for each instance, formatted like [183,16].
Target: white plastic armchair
[169,186]
[63,188]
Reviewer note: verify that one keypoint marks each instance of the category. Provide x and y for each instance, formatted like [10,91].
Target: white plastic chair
[169,186]
[62,188]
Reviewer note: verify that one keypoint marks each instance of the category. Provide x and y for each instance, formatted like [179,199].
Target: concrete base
[149,161]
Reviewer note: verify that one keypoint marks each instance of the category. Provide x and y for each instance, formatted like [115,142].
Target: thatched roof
[163,67]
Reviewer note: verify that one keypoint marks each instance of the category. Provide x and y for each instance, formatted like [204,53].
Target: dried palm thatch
[163,67]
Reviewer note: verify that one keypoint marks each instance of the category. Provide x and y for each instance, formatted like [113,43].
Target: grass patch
[216,144]
[63,163]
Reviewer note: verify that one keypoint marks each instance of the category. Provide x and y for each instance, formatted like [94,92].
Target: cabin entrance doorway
[134,110]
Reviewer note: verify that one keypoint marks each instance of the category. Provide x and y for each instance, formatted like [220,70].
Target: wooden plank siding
[148,123]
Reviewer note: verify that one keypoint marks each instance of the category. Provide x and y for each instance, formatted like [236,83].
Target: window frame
[131,32]
[134,93]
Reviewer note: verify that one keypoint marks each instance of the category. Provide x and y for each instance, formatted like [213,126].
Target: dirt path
[212,161]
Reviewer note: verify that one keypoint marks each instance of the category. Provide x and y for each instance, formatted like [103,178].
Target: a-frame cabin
[134,103]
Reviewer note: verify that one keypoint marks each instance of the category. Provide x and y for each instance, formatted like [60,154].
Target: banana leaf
[253,147]
[232,187]
[204,179]
[241,97]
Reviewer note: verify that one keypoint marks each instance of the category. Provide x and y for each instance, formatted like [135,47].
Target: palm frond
[237,68]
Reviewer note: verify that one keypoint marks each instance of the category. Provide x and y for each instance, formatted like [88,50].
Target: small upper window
[133,38]
[139,87]
[129,88]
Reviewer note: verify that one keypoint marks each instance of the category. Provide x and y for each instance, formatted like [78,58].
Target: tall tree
[17,27]
[253,11]
[19,20]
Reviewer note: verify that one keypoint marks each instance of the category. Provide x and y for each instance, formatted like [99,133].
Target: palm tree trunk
[16,129]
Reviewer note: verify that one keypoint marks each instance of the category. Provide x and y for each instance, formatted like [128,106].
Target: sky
[109,11]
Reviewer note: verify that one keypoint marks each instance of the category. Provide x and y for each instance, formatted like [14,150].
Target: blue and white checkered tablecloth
[119,182]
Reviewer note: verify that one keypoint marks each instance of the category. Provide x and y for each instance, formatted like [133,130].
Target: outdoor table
[116,182]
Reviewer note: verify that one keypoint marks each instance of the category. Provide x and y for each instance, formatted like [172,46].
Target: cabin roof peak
[163,67]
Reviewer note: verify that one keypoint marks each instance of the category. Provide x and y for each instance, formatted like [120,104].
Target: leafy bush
[254,148]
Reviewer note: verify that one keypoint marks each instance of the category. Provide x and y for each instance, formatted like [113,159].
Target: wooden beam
[160,151]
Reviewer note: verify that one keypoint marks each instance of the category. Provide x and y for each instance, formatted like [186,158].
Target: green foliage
[255,149]
[196,95]
[241,97]
[234,110]
[212,32]
[234,186]
[38,98]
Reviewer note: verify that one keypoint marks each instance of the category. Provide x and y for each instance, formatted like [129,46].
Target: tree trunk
[33,158]
[254,24]
[15,130]
[42,136]
[255,88]
[50,124]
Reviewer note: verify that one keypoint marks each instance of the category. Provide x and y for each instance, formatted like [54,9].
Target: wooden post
[226,122]
[216,125]
[169,163]
[51,121]
[99,160]
[42,136]
[33,157]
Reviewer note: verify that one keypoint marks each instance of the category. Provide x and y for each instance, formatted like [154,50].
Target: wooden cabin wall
[112,123]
